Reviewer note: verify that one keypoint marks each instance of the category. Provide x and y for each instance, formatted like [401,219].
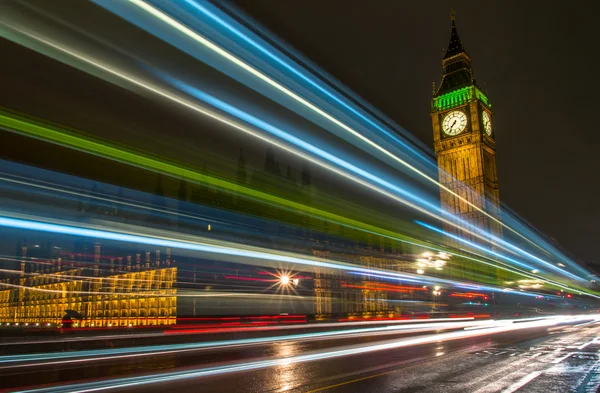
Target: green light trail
[63,137]
[76,140]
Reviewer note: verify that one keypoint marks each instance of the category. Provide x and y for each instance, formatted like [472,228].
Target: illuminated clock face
[487,123]
[454,123]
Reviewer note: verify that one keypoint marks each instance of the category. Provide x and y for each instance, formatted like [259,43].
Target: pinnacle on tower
[455,46]
[456,64]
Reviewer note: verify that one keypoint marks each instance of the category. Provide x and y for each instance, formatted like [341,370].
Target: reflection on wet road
[536,356]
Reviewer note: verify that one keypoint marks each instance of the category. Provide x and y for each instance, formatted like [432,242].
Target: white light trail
[53,358]
[171,377]
[140,83]
[215,48]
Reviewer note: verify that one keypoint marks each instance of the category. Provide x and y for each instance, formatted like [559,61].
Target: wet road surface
[555,359]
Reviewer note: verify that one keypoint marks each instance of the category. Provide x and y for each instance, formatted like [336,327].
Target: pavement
[546,358]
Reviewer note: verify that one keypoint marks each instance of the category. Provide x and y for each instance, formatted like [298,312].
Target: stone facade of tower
[465,146]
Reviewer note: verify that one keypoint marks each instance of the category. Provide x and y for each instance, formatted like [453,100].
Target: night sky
[536,59]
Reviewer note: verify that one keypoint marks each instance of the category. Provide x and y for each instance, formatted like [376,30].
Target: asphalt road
[540,359]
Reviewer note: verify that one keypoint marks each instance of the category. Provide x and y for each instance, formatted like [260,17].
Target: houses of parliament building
[135,290]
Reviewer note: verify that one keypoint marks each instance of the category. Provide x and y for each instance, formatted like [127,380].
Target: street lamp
[287,279]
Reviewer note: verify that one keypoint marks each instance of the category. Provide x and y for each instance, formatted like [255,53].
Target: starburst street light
[287,279]
[286,282]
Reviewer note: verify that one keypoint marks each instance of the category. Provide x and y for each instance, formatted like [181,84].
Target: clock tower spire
[464,143]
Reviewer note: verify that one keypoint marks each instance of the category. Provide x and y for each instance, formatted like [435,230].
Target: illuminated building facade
[124,292]
[464,142]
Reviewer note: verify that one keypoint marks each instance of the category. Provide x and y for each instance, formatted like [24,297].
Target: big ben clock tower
[463,137]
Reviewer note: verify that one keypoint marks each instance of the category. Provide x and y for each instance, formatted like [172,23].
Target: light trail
[127,157]
[180,376]
[56,189]
[298,72]
[121,155]
[482,235]
[263,125]
[421,206]
[204,247]
[220,51]
[280,61]
[221,248]
[497,254]
[185,331]
[65,277]
[122,202]
[132,202]
[82,231]
[318,162]
[148,163]
[152,293]
[84,356]
[429,209]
